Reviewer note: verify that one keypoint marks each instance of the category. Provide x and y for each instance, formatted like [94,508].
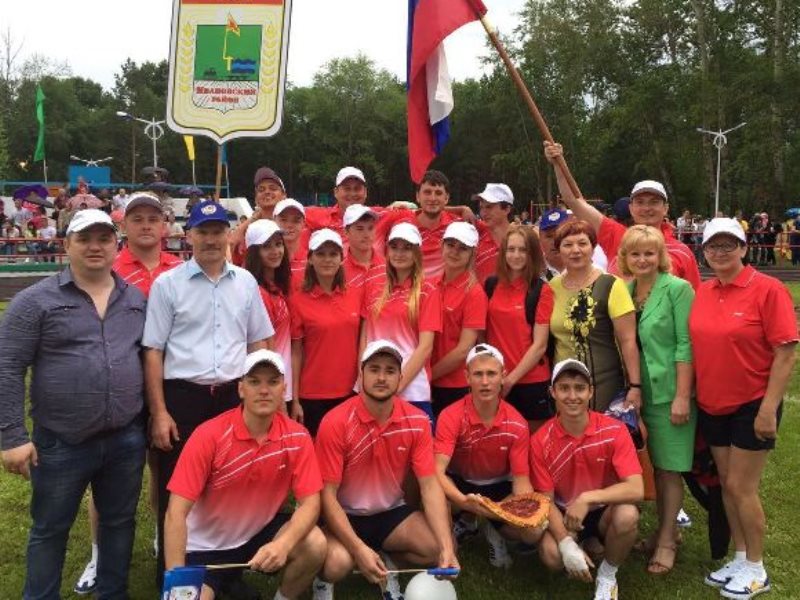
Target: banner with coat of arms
[228,67]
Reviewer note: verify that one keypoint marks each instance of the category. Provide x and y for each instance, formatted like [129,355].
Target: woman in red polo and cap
[407,311]
[744,332]
[464,307]
[325,325]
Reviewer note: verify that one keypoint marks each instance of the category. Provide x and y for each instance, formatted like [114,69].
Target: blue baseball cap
[204,212]
[553,218]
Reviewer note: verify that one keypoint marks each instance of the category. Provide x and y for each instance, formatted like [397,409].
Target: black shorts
[736,428]
[494,491]
[532,400]
[315,410]
[442,397]
[591,524]
[374,529]
[217,579]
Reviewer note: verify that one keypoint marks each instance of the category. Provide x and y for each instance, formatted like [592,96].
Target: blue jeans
[112,463]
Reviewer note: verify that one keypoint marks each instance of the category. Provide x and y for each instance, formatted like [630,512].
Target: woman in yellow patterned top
[594,319]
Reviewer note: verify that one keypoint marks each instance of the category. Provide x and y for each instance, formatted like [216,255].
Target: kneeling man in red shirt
[233,476]
[367,446]
[482,450]
[587,462]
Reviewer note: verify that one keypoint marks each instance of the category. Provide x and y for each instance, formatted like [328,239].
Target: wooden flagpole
[523,91]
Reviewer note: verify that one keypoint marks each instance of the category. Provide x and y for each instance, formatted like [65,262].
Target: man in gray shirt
[80,333]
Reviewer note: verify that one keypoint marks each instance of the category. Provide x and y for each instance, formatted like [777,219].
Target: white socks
[740,555]
[607,571]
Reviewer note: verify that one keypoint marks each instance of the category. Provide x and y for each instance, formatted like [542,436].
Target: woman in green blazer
[662,305]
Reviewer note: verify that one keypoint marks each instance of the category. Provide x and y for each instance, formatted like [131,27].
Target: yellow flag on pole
[189,141]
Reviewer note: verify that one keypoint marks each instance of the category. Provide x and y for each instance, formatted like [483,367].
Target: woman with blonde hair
[518,323]
[662,303]
[406,310]
[463,315]
[325,332]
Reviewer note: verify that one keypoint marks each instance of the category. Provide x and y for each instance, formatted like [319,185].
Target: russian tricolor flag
[430,97]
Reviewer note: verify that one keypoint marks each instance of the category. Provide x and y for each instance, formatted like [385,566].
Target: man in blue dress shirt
[203,318]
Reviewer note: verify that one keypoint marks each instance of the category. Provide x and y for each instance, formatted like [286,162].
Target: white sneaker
[606,589]
[724,574]
[87,582]
[683,519]
[746,583]
[322,590]
[498,552]
[393,590]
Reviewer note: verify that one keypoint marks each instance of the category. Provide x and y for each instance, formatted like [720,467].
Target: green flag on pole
[39,154]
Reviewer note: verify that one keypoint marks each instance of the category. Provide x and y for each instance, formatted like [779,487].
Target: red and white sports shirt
[359,275]
[133,271]
[237,483]
[393,324]
[482,454]
[278,311]
[567,466]
[369,461]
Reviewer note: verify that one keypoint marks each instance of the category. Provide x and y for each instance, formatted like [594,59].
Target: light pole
[719,141]
[152,129]
[90,162]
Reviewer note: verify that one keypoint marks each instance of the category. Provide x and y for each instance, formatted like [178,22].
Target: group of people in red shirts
[406,371]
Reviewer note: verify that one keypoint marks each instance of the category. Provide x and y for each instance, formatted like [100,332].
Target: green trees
[622,84]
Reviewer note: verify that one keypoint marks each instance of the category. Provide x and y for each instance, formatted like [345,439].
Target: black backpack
[531,302]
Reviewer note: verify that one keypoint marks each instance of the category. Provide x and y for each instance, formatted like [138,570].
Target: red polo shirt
[734,329]
[393,324]
[482,454]
[567,466]
[508,330]
[133,271]
[278,311]
[359,275]
[369,461]
[328,324]
[486,256]
[463,307]
[319,217]
[684,264]
[238,483]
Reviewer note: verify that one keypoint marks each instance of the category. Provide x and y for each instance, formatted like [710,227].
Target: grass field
[527,579]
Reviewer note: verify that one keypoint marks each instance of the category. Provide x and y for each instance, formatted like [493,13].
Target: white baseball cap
[143,199]
[286,204]
[485,350]
[83,219]
[381,347]
[724,225]
[260,231]
[348,172]
[496,193]
[407,232]
[570,365]
[321,236]
[264,356]
[354,212]
[463,232]
[649,185]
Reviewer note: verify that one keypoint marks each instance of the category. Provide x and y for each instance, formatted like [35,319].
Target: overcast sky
[96,36]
